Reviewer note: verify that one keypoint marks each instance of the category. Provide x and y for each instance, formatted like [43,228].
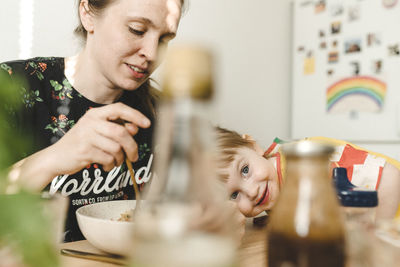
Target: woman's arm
[94,139]
[32,173]
[388,192]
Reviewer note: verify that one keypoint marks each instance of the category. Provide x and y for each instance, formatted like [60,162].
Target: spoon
[132,173]
[135,187]
[115,259]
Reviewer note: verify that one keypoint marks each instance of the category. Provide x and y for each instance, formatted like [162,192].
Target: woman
[72,104]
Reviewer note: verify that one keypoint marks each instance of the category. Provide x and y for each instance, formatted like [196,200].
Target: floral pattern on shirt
[62,124]
[29,97]
[52,108]
[36,69]
[62,91]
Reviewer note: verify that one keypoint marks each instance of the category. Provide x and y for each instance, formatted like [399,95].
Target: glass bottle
[183,222]
[306,227]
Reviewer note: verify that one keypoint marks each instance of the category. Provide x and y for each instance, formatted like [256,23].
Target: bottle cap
[188,72]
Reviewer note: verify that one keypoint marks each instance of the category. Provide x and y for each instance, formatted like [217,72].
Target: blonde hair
[227,144]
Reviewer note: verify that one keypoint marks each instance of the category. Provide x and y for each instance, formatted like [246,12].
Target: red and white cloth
[364,168]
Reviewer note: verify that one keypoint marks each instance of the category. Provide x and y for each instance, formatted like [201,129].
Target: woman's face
[252,181]
[129,37]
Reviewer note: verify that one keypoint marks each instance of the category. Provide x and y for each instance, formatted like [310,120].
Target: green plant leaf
[23,224]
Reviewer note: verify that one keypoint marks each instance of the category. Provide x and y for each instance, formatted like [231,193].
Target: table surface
[251,253]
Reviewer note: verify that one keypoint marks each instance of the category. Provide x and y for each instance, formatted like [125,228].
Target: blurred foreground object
[185,221]
[387,243]
[358,208]
[306,227]
[26,233]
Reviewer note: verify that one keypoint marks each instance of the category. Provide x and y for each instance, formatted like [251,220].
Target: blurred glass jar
[306,227]
[184,222]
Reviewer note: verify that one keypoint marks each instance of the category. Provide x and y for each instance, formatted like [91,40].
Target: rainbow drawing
[362,86]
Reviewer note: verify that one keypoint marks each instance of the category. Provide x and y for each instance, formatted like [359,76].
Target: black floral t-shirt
[52,107]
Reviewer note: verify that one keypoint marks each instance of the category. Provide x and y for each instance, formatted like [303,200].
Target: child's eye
[234,195]
[136,31]
[245,170]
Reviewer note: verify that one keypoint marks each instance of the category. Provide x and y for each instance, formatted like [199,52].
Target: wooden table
[252,252]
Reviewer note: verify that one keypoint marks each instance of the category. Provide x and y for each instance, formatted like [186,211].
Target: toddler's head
[251,179]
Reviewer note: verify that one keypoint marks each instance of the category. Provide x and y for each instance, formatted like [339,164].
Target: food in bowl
[107,226]
[126,216]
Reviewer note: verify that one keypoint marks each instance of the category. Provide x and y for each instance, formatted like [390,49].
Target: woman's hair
[96,7]
[227,144]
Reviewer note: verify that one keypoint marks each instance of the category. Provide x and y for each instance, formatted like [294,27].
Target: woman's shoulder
[33,67]
[53,61]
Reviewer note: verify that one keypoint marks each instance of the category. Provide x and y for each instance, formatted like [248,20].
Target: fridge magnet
[352,46]
[337,10]
[334,43]
[389,3]
[394,50]
[353,114]
[322,45]
[320,6]
[321,33]
[309,64]
[361,93]
[356,67]
[330,72]
[335,27]
[354,13]
[377,66]
[333,57]
[373,39]
[300,49]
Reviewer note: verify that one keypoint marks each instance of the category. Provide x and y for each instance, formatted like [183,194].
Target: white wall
[251,40]
[53,25]
[9,23]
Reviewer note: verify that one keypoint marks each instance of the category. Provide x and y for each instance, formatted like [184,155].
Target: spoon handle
[115,259]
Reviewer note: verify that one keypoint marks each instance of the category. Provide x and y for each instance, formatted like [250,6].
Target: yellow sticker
[309,65]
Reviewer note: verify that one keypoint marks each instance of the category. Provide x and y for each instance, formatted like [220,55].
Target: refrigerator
[346,72]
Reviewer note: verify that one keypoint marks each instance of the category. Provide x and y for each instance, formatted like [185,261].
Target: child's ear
[257,148]
[86,16]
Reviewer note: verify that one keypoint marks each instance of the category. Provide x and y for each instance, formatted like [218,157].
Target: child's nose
[252,191]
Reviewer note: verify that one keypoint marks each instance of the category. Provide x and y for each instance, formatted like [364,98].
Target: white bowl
[100,226]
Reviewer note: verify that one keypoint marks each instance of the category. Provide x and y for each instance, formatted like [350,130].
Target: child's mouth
[264,197]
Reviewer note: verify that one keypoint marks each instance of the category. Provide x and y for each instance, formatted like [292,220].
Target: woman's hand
[97,138]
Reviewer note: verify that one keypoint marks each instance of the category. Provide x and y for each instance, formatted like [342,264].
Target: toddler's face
[252,181]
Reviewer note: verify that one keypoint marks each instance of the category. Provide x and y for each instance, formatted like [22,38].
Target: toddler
[254,177]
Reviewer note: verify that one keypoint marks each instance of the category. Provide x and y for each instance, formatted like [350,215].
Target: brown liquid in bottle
[294,251]
[306,227]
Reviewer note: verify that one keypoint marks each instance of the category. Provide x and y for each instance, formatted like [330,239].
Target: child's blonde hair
[228,142]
